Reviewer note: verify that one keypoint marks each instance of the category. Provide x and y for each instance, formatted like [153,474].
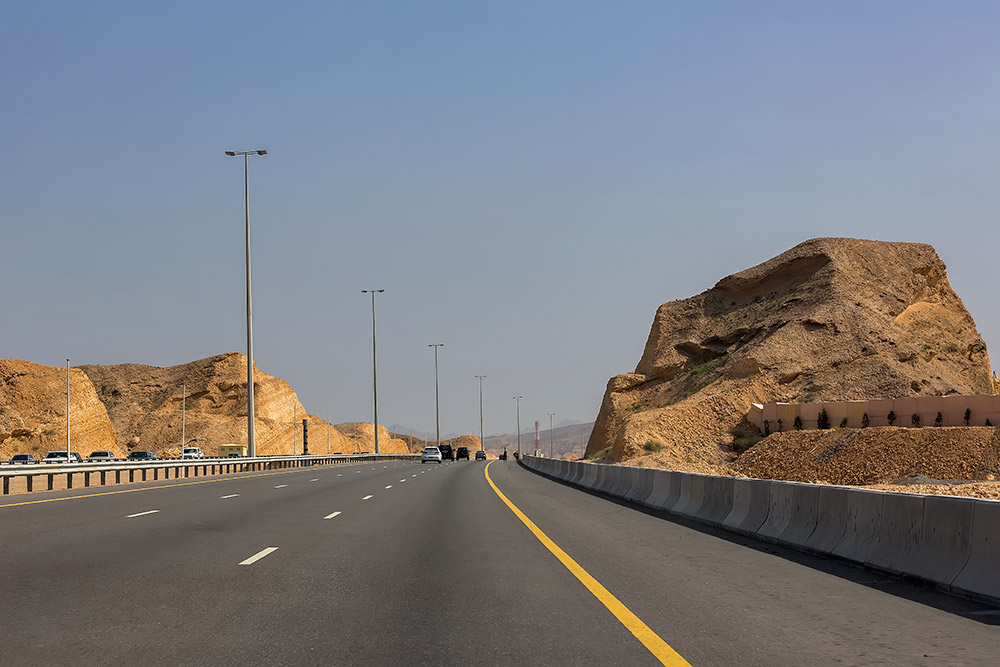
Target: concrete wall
[952,409]
[948,542]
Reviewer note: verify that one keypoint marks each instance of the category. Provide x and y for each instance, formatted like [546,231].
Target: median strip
[132,516]
[257,556]
[659,648]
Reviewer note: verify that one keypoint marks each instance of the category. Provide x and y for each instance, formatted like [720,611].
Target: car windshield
[430,450]
[53,455]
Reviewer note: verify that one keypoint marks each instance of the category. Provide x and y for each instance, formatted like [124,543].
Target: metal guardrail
[182,468]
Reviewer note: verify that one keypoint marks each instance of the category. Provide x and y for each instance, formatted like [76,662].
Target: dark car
[480,455]
[141,456]
[462,453]
[447,453]
[234,455]
[23,458]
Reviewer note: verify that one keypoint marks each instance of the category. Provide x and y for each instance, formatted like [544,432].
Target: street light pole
[67,411]
[374,364]
[437,409]
[551,415]
[183,414]
[327,433]
[251,442]
[482,442]
[517,402]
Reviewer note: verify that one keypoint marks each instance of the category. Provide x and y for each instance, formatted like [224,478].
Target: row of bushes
[823,421]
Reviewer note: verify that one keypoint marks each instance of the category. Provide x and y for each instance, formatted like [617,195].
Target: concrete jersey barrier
[951,543]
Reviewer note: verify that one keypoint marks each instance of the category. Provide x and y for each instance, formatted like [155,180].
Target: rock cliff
[832,319]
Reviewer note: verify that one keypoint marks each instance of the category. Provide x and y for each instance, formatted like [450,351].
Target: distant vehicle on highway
[140,455]
[234,455]
[100,456]
[462,453]
[23,458]
[480,455]
[447,454]
[432,454]
[192,453]
[60,457]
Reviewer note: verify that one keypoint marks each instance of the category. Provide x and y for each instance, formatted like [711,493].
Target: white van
[192,453]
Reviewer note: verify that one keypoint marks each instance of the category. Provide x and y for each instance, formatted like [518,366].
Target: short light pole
[251,442]
[517,402]
[551,415]
[67,411]
[482,442]
[327,433]
[373,292]
[437,409]
[183,415]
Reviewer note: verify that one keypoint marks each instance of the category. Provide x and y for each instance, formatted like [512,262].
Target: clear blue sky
[528,181]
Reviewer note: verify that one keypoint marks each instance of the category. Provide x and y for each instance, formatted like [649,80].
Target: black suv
[462,453]
[447,454]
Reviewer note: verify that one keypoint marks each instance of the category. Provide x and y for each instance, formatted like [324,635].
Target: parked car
[24,458]
[462,453]
[447,454]
[59,456]
[101,456]
[140,455]
[192,453]
[480,455]
[432,454]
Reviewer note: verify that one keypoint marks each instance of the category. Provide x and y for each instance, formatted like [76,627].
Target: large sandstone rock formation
[33,411]
[830,319]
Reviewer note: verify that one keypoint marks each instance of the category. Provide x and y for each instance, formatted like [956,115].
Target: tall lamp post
[482,441]
[517,402]
[437,408]
[67,412]
[551,415]
[373,292]
[251,442]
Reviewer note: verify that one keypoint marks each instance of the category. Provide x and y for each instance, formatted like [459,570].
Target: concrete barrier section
[946,541]
[779,511]
[718,499]
[692,495]
[861,529]
[662,481]
[750,505]
[900,535]
[981,576]
[642,486]
[621,482]
[831,519]
[805,503]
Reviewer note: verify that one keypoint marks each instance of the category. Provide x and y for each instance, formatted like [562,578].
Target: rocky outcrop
[33,411]
[830,319]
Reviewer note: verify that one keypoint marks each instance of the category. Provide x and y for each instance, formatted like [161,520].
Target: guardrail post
[6,485]
[31,483]
[118,477]
[144,474]
[131,475]
[69,480]
[50,480]
[156,474]
[86,479]
[103,474]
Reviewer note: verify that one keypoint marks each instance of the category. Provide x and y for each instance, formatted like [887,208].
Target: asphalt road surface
[396,563]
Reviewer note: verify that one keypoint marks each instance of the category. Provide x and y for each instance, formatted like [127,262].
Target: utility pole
[374,364]
[551,415]
[437,408]
[482,440]
[517,402]
[183,415]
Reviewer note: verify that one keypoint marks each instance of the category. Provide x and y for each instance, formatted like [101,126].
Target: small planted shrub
[843,423]
[915,419]
[989,423]
[865,421]
[968,416]
[823,420]
[653,447]
[779,426]
[891,417]
[767,428]
[938,419]
[797,423]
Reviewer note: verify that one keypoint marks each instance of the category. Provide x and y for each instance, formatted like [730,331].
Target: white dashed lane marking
[330,516]
[260,554]
[132,516]
[314,480]
[366,497]
[281,486]
[231,495]
[389,487]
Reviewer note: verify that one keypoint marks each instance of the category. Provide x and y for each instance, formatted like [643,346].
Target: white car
[192,453]
[59,456]
[431,454]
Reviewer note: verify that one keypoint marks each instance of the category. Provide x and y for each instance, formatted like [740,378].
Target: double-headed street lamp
[251,443]
[482,442]
[517,402]
[373,292]
[437,408]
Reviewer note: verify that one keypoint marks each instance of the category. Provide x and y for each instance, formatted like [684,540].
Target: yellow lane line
[153,488]
[659,648]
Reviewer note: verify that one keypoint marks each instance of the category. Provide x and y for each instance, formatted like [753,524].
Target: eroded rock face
[33,411]
[830,319]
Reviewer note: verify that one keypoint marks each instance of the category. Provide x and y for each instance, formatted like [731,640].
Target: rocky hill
[831,319]
[33,411]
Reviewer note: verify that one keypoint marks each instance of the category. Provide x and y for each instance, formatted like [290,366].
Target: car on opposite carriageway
[101,456]
[139,455]
[23,459]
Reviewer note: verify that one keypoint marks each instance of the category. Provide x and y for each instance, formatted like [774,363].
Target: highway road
[394,563]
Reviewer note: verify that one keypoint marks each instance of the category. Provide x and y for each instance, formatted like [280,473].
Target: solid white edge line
[257,556]
[367,497]
[330,516]
[231,495]
[132,516]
